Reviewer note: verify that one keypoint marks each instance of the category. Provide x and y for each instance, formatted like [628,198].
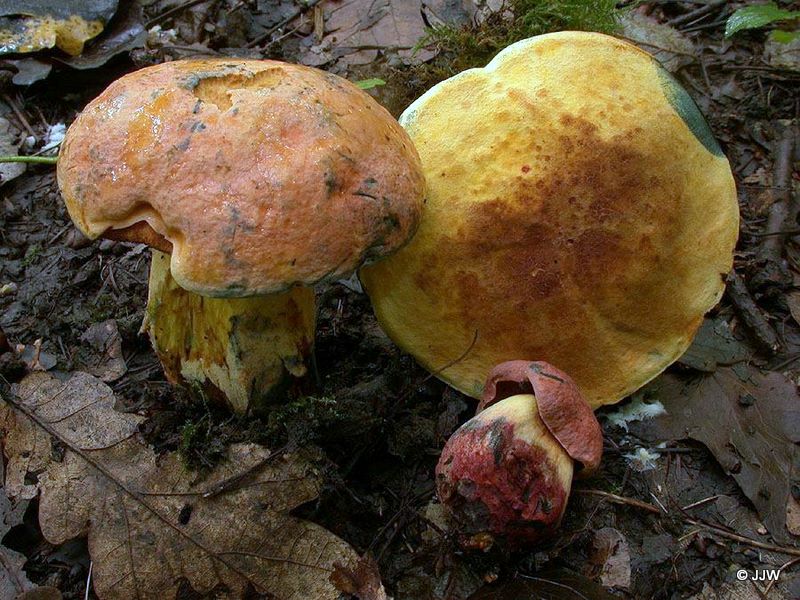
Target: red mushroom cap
[564,411]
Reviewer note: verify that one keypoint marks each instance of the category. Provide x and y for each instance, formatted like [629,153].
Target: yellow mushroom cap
[256,175]
[579,212]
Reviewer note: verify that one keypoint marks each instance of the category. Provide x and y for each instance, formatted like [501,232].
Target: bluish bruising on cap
[687,108]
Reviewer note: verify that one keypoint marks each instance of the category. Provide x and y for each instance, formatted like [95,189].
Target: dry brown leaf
[149,525]
[550,584]
[362,581]
[736,591]
[793,516]
[9,147]
[793,300]
[45,592]
[13,580]
[612,556]
[108,363]
[357,29]
[749,421]
[671,47]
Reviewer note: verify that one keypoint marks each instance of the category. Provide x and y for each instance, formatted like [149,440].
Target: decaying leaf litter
[689,496]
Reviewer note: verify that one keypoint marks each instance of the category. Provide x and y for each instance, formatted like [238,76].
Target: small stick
[88,581]
[751,314]
[779,212]
[695,14]
[701,502]
[713,528]
[172,12]
[297,12]
[43,160]
[780,570]
[19,114]
[233,481]
[622,500]
[743,540]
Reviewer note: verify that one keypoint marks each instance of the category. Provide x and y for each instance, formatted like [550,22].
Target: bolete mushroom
[506,474]
[579,211]
[253,181]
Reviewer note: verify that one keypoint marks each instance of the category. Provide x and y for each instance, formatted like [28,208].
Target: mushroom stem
[239,350]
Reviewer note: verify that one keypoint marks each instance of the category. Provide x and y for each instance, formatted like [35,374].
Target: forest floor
[683,501]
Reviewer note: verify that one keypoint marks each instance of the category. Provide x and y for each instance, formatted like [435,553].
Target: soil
[380,419]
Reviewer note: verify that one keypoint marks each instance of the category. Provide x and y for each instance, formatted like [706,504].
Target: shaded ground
[379,418]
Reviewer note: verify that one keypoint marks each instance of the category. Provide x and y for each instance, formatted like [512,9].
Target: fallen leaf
[13,580]
[714,346]
[751,423]
[672,48]
[793,515]
[45,592]
[125,32]
[9,146]
[793,300]
[107,362]
[362,581]
[611,557]
[28,70]
[34,357]
[735,591]
[557,584]
[356,30]
[31,25]
[150,523]
[783,54]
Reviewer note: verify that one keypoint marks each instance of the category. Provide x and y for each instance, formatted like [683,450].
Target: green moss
[474,45]
[31,254]
[105,307]
[204,436]
[302,420]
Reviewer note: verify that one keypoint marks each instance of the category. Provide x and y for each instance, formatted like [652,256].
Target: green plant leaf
[784,37]
[368,84]
[752,17]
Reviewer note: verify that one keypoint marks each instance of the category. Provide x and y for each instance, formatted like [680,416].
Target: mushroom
[253,181]
[506,474]
[579,210]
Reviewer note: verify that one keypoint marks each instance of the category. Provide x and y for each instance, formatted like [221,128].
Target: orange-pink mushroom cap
[256,175]
[563,409]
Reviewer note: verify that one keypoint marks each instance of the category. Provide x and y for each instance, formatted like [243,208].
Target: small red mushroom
[506,474]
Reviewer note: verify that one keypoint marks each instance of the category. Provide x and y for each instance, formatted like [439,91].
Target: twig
[779,232]
[713,528]
[742,539]
[751,314]
[231,482]
[19,114]
[172,12]
[288,19]
[88,581]
[43,160]
[695,14]
[622,500]
[702,26]
[779,211]
[786,565]
[701,502]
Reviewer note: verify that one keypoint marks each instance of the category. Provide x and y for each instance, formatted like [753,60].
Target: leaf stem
[44,160]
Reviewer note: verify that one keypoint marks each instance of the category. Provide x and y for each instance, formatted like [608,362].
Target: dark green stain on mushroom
[685,106]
